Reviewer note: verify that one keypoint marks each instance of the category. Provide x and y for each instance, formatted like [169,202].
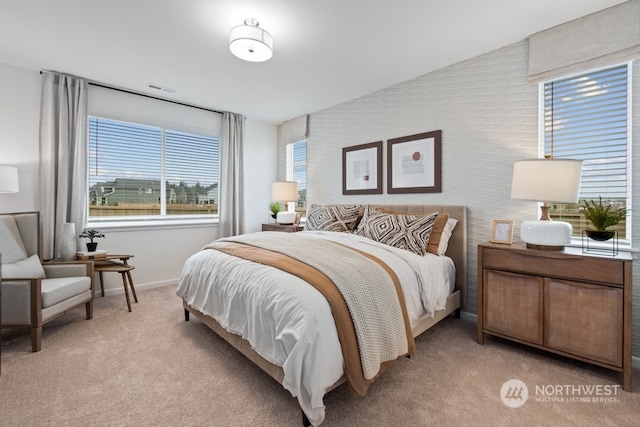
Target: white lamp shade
[284,191]
[9,179]
[547,180]
[250,42]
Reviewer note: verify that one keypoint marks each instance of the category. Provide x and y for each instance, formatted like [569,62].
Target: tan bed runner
[355,370]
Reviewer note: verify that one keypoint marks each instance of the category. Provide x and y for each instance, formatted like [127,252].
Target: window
[586,118]
[146,171]
[297,171]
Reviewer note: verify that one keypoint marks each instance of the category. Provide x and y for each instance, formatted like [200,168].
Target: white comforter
[288,322]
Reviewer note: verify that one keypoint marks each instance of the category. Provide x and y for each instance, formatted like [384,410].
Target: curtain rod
[93,83]
[132,92]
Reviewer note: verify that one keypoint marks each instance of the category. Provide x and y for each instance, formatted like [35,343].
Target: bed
[266,309]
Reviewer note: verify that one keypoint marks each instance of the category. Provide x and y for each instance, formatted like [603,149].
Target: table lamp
[285,192]
[8,179]
[546,180]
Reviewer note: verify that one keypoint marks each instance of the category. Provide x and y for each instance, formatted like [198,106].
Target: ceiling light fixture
[249,42]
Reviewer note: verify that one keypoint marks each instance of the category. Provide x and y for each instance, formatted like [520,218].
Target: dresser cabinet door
[585,320]
[513,305]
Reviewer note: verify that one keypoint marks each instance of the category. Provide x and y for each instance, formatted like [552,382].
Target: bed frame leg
[186,315]
[457,313]
[305,420]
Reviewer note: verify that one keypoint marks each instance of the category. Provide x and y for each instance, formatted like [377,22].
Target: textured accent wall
[488,114]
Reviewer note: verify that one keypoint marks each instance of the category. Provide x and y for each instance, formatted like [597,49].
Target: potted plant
[602,216]
[91,233]
[275,207]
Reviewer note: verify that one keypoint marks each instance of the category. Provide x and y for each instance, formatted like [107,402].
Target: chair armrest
[25,306]
[68,269]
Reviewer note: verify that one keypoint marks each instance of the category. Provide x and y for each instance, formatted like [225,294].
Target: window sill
[623,246]
[146,224]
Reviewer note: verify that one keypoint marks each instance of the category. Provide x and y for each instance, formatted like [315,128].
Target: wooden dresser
[566,302]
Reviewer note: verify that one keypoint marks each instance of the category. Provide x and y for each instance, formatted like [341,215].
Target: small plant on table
[91,233]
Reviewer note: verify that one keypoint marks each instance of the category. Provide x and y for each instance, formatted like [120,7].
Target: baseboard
[473,317]
[142,286]
[466,315]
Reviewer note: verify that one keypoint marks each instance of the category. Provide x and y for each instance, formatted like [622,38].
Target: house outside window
[138,171]
[296,166]
[586,117]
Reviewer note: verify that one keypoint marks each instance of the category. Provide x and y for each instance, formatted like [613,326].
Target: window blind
[136,169]
[585,117]
[124,162]
[297,169]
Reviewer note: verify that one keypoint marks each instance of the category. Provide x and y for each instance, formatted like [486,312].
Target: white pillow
[29,268]
[446,235]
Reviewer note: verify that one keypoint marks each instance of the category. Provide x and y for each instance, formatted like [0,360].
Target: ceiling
[325,51]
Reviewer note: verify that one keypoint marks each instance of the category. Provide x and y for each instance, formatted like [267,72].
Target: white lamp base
[286,218]
[547,235]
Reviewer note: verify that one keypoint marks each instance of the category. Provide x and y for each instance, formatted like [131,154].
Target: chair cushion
[24,269]
[11,245]
[62,288]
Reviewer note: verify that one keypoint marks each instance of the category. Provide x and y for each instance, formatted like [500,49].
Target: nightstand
[284,228]
[565,302]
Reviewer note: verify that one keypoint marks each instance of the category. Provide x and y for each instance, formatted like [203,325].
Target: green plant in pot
[602,215]
[91,233]
[275,207]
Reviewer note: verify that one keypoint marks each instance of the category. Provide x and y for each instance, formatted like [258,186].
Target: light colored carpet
[150,367]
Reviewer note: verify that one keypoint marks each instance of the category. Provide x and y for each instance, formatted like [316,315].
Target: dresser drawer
[586,320]
[589,269]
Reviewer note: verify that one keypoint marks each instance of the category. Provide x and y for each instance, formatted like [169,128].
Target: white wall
[19,123]
[259,172]
[159,252]
[488,114]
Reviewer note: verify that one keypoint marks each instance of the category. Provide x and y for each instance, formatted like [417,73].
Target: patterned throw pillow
[332,218]
[436,232]
[403,231]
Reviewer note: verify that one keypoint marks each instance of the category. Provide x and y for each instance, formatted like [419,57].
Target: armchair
[33,292]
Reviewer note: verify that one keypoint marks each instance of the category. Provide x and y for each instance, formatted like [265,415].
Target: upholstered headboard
[457,250]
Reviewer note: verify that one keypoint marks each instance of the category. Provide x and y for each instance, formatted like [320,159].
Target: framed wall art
[362,169]
[502,231]
[414,163]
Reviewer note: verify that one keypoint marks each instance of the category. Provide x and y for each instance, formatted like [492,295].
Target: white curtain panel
[63,158]
[231,207]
